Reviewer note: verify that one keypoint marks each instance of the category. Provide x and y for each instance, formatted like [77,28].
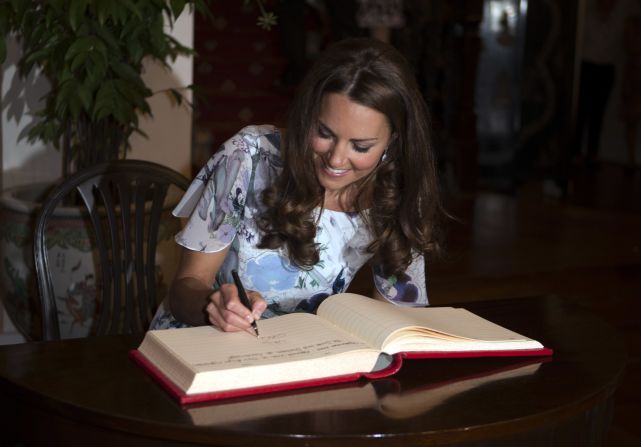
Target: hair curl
[405,214]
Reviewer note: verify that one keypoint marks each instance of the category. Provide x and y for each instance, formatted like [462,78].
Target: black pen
[243,297]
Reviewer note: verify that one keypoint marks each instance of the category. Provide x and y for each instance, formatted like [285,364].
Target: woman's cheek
[320,145]
[365,162]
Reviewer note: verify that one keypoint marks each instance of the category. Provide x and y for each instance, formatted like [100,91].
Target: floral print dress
[221,207]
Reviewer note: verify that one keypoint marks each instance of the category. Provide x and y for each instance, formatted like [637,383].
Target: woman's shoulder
[245,162]
[258,130]
[263,137]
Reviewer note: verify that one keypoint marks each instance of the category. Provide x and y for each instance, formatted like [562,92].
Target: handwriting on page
[287,338]
[274,353]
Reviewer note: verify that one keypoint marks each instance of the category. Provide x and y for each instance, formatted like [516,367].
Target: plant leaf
[84,93]
[126,71]
[82,45]
[104,10]
[133,8]
[109,40]
[77,10]
[78,61]
[99,66]
[177,7]
[105,98]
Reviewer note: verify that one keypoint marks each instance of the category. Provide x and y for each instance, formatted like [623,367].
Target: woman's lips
[334,172]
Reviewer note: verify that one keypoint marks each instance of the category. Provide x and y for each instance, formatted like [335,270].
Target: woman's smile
[335,172]
[349,143]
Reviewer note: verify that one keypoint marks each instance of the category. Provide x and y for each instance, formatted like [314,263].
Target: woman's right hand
[226,312]
[193,301]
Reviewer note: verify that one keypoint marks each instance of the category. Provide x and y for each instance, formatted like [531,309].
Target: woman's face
[348,143]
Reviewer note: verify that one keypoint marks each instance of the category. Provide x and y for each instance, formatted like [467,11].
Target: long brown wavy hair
[399,200]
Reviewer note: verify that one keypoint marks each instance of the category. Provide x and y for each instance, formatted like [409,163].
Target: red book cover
[391,369]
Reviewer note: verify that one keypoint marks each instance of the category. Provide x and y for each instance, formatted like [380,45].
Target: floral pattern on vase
[71,260]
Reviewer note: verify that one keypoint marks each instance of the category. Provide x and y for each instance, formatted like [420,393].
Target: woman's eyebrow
[325,128]
[356,140]
[362,140]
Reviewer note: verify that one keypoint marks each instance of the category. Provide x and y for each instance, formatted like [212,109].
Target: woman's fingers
[258,304]
[227,312]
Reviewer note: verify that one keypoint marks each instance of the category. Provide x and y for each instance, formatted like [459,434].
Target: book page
[285,350]
[460,323]
[372,320]
[418,329]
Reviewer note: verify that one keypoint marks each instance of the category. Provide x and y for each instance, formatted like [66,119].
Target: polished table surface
[88,392]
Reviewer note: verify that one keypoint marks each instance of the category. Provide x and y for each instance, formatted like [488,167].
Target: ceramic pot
[70,258]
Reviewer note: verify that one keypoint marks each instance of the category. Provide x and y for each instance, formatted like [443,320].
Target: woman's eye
[323,133]
[358,148]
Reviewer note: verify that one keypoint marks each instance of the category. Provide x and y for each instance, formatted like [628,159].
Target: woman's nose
[338,155]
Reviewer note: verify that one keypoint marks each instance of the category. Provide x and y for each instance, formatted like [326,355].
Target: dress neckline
[348,214]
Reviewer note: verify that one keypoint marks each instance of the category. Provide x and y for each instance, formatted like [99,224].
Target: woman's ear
[389,143]
[392,139]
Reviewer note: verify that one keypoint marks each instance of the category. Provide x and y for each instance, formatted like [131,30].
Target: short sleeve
[406,289]
[214,202]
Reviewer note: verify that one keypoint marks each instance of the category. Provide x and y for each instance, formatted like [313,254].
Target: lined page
[376,321]
[369,319]
[461,323]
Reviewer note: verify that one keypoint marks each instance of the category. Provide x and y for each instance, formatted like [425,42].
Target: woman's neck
[336,201]
[345,200]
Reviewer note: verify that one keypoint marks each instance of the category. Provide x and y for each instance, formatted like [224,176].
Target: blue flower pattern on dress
[311,304]
[271,272]
[221,206]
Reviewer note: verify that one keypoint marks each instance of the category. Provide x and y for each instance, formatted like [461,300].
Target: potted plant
[92,54]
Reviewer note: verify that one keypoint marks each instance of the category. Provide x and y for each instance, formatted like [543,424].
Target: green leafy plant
[92,53]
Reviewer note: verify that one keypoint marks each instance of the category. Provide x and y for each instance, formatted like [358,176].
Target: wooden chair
[124,201]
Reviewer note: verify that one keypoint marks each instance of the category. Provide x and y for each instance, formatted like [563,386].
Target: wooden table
[88,392]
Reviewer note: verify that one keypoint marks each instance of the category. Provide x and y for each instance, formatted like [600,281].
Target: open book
[351,336]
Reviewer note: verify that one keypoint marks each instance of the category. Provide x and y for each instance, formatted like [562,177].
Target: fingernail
[249,318]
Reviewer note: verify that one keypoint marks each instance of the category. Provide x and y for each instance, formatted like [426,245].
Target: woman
[298,214]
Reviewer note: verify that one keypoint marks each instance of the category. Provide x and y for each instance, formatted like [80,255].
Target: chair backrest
[124,201]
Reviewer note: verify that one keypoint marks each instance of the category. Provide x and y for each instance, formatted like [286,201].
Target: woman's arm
[192,299]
